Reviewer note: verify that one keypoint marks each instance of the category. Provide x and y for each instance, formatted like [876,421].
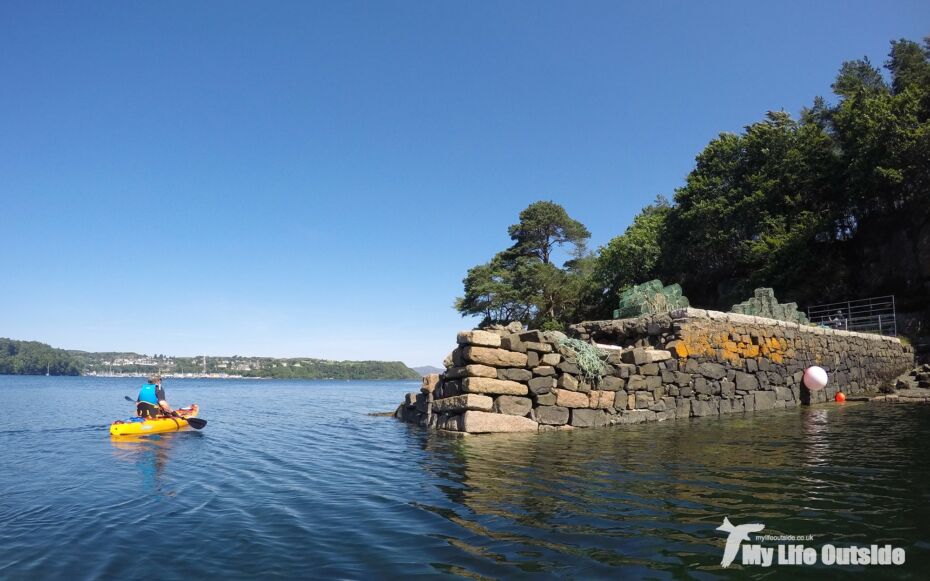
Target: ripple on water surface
[306,484]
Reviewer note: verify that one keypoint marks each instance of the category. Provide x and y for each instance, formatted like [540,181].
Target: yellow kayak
[138,426]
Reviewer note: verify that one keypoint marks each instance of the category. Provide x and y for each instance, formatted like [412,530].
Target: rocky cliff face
[689,363]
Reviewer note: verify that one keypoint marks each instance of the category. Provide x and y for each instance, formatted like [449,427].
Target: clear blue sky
[310,178]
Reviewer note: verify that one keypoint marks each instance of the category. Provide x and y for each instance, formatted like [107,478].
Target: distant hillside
[34,358]
[424,370]
[114,363]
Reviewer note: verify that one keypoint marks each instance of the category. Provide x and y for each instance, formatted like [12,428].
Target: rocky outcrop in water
[917,378]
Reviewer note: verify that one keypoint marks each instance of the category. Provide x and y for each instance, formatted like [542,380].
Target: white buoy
[815,378]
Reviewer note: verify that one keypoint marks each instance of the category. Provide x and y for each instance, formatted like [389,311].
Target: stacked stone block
[688,363]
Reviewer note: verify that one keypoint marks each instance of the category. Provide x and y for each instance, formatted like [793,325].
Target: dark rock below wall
[552,415]
[586,418]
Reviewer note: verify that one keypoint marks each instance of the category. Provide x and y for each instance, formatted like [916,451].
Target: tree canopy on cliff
[803,205]
[830,206]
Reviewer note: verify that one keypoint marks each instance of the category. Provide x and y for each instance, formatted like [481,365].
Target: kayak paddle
[196,423]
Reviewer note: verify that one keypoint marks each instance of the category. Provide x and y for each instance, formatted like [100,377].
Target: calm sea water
[293,479]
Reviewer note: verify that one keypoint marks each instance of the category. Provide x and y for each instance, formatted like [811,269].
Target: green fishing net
[590,360]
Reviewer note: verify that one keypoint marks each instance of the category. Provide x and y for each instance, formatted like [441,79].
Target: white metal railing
[873,315]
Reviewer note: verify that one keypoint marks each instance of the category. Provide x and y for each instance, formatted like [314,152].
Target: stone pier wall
[689,363]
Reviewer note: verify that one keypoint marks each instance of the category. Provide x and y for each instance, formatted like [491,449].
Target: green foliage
[752,201]
[830,206]
[491,291]
[522,283]
[542,227]
[336,370]
[858,77]
[909,65]
[797,204]
[627,259]
[34,358]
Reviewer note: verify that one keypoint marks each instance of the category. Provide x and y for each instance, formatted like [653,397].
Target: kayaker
[151,402]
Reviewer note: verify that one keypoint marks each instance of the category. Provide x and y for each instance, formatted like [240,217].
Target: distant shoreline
[35,358]
[177,375]
[227,376]
[207,376]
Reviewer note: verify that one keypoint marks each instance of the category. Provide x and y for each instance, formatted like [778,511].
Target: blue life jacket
[147,394]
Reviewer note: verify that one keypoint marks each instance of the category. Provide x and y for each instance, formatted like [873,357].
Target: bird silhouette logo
[737,534]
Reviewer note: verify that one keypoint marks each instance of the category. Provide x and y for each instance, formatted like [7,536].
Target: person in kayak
[151,402]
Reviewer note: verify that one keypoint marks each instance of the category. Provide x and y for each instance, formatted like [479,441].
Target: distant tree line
[299,368]
[34,358]
[338,370]
[831,206]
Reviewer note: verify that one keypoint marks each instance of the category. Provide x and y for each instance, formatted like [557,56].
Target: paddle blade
[129,399]
[196,423]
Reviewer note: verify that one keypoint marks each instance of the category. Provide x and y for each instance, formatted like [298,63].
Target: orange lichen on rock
[722,346]
[731,356]
[678,349]
[695,344]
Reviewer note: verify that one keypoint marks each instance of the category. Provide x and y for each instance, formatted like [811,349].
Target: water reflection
[649,497]
[150,454]
[307,486]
